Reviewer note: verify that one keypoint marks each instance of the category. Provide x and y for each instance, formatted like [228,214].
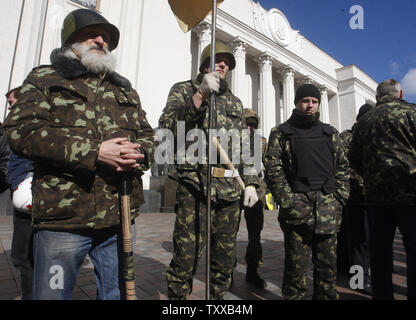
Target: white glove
[210,82]
[250,196]
[22,196]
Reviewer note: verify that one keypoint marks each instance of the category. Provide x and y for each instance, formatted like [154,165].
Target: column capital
[323,89]
[203,29]
[238,42]
[306,80]
[265,60]
[238,46]
[288,72]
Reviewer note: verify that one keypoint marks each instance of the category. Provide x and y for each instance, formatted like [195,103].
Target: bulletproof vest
[313,158]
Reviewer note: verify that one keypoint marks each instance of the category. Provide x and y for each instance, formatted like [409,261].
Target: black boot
[253,278]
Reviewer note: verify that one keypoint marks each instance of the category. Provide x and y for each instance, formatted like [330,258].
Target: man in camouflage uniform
[82,125]
[383,152]
[254,216]
[187,111]
[307,173]
[353,243]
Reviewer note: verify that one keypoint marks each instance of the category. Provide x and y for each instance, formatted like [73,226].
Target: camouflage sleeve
[32,134]
[276,177]
[342,170]
[180,107]
[145,137]
[263,149]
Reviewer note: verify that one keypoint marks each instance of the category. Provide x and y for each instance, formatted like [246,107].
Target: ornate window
[91,4]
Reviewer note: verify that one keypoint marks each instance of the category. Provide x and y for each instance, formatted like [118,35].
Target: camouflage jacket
[356,181]
[383,151]
[181,111]
[61,118]
[322,211]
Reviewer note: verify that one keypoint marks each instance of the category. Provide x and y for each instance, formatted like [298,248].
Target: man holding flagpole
[187,109]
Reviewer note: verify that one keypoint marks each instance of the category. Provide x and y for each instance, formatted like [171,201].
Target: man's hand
[250,196]
[120,154]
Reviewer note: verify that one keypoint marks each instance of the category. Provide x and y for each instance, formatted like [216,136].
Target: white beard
[92,61]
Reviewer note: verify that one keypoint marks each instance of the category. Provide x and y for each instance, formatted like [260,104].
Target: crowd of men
[76,129]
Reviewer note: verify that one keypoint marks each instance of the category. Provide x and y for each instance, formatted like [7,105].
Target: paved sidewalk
[153,253]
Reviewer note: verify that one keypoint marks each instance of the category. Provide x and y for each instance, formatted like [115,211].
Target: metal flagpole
[210,146]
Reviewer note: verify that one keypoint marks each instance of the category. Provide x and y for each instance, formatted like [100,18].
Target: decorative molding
[279,27]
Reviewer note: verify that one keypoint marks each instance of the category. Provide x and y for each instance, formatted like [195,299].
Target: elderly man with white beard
[83,127]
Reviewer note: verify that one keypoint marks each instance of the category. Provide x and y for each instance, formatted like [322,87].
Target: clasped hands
[120,154]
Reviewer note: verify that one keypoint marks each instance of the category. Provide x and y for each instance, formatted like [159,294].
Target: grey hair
[389,87]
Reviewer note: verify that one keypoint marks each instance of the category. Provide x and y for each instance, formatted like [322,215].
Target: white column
[267,108]
[288,92]
[203,31]
[278,104]
[324,108]
[238,75]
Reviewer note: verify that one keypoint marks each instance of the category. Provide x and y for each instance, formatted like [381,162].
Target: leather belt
[224,173]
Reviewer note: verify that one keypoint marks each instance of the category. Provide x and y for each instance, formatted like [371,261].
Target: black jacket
[4,160]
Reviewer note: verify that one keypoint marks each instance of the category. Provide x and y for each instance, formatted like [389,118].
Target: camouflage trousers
[299,242]
[189,239]
[254,221]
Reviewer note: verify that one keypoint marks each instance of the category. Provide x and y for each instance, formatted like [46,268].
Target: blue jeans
[383,222]
[58,255]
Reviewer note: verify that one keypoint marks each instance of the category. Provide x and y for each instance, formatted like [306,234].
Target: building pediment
[274,25]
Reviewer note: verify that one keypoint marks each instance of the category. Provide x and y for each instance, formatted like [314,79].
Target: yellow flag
[191,12]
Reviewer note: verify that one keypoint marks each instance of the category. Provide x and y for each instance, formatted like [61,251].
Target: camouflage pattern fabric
[299,242]
[321,211]
[309,220]
[59,122]
[191,195]
[228,116]
[356,181]
[383,152]
[189,239]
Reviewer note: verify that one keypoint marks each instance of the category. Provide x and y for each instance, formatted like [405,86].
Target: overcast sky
[383,43]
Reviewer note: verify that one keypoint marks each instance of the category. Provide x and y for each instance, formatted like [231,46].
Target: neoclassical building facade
[153,53]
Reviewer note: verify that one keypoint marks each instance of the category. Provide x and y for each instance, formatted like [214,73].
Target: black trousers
[383,222]
[254,217]
[22,251]
[353,240]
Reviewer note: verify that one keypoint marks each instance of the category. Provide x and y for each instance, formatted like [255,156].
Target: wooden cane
[128,254]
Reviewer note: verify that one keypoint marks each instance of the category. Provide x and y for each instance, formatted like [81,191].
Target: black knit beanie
[307,90]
